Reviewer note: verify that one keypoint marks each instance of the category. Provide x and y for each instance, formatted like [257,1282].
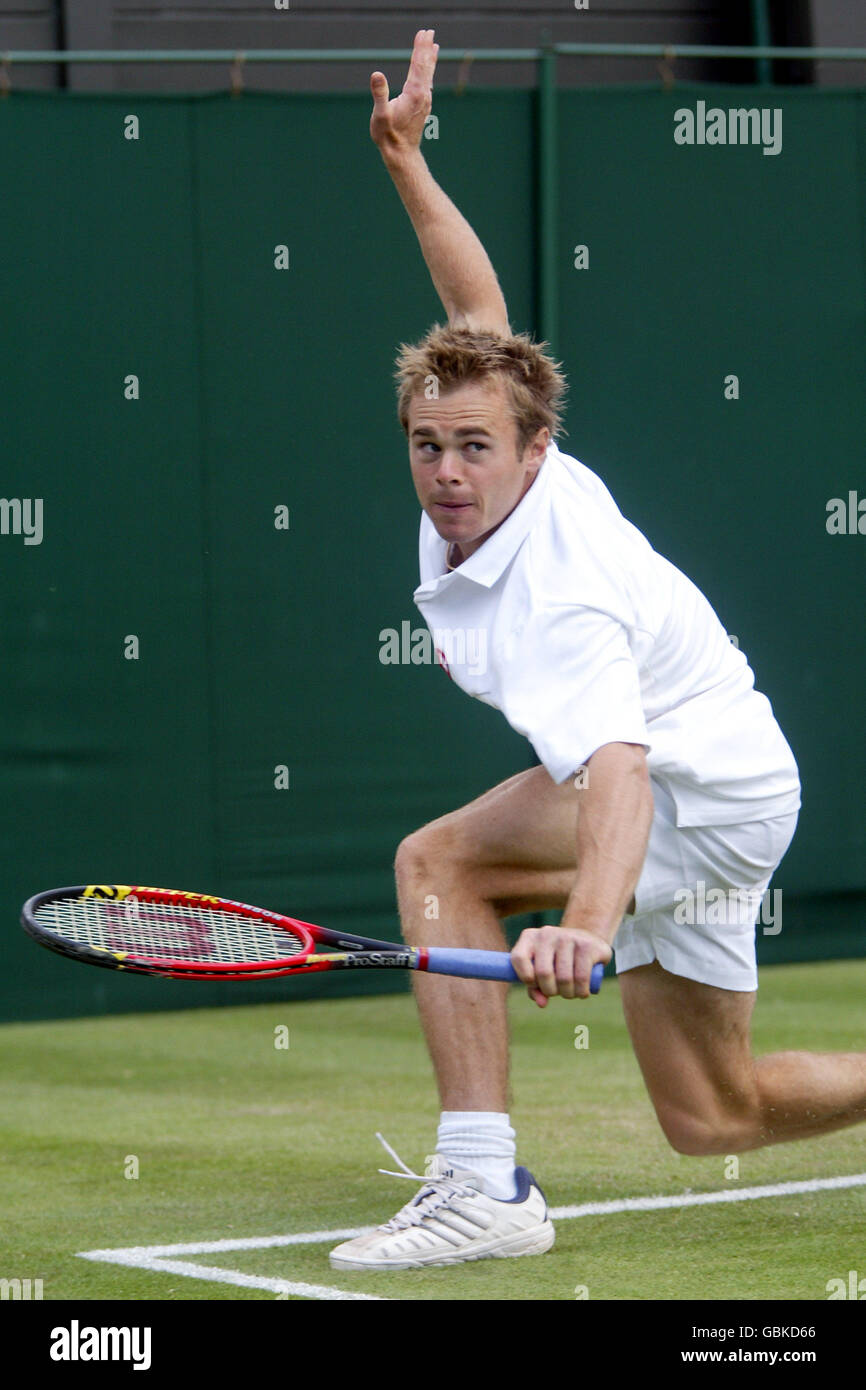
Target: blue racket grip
[485,965]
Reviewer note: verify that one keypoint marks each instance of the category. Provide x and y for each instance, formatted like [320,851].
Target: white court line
[700,1199]
[143,1257]
[157,1258]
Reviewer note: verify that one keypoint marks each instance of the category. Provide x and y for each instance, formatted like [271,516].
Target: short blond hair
[456,356]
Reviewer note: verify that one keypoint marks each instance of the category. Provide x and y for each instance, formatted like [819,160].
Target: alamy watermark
[736,126]
[846,517]
[854,1287]
[20,1289]
[22,516]
[461,646]
[703,906]
[77,1343]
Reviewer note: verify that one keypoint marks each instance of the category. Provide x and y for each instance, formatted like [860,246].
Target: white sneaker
[452,1219]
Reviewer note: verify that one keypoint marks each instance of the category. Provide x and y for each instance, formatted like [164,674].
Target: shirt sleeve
[571,685]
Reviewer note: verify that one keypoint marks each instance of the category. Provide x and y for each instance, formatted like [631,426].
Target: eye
[430,444]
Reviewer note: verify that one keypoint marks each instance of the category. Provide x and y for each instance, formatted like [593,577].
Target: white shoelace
[436,1193]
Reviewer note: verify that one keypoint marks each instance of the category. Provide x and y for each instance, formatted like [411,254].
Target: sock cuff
[475,1132]
[475,1119]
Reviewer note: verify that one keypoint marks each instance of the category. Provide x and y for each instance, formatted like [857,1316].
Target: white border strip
[144,1257]
[158,1258]
[700,1199]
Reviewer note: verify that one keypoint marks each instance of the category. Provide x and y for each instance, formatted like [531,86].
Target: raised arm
[459,266]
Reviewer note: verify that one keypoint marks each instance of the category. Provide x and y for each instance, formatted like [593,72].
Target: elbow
[638,762]
[492,318]
[642,773]
[628,759]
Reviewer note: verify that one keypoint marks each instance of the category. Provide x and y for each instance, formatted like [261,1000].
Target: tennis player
[662,769]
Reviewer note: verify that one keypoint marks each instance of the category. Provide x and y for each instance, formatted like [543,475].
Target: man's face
[465,466]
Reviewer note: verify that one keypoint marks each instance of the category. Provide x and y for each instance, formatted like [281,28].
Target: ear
[537,449]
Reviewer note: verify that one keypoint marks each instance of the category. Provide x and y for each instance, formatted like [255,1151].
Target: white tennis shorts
[699,897]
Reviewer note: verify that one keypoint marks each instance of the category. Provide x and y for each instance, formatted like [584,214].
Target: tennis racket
[192,936]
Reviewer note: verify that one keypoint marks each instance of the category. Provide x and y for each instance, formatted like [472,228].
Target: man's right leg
[512,850]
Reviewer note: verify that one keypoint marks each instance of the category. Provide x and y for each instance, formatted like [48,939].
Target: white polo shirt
[569,622]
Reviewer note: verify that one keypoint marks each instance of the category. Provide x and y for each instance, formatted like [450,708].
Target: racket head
[163,931]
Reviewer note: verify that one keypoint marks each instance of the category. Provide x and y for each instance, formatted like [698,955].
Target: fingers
[401,116]
[379,90]
[424,55]
[552,960]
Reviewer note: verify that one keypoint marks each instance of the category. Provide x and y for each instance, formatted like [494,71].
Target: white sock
[482,1140]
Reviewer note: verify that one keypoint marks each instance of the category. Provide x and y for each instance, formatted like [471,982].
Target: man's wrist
[398,156]
[583,921]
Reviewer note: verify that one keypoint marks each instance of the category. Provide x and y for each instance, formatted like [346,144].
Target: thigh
[693,1044]
[698,897]
[518,841]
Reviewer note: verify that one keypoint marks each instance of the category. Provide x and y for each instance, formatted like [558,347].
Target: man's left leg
[711,1095]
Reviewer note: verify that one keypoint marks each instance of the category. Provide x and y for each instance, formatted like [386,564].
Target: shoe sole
[534,1242]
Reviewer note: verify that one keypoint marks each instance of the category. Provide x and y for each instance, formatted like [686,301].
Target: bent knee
[424,848]
[699,1136]
[428,853]
[428,872]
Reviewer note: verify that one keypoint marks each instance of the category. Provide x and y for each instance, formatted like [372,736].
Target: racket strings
[168,931]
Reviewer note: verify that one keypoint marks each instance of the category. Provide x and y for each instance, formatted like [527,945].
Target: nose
[450,468]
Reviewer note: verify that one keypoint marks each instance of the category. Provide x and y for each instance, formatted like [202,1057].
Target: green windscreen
[197,334]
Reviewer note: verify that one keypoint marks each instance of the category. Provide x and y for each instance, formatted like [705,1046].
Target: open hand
[398,124]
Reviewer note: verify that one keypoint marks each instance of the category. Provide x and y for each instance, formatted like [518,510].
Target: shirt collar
[488,562]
